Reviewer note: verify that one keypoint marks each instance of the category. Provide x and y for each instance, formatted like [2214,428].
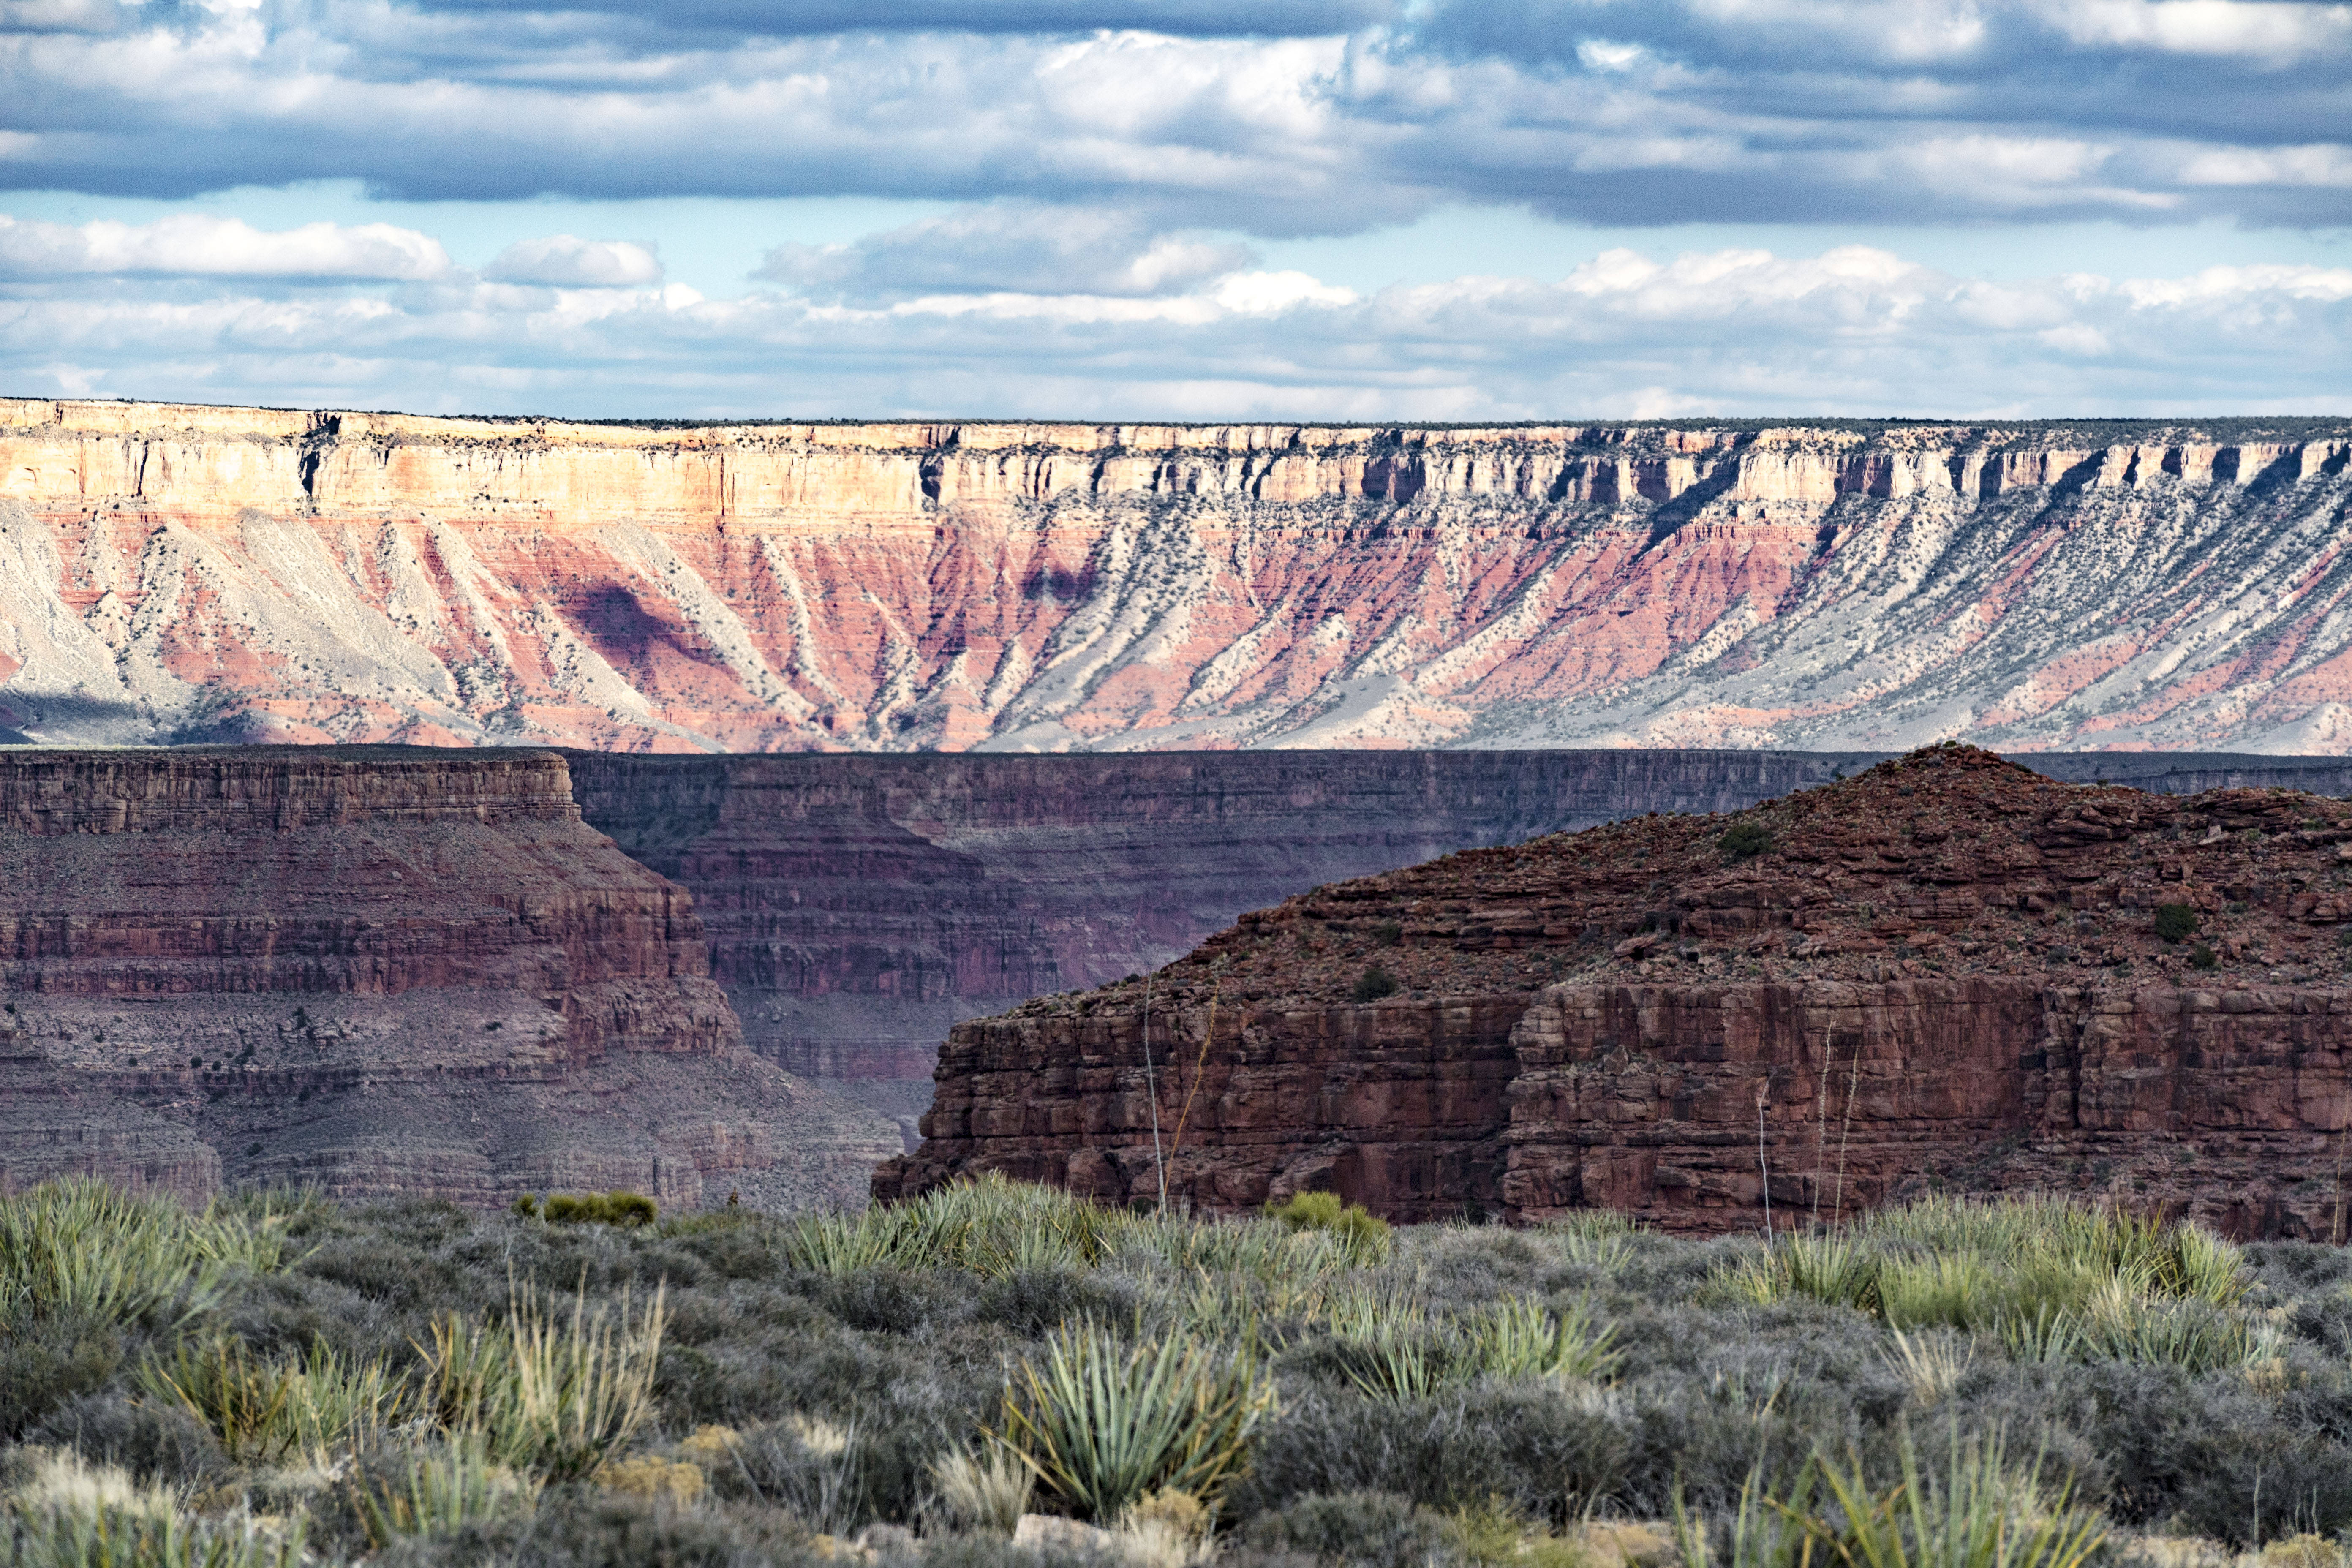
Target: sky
[1181,209]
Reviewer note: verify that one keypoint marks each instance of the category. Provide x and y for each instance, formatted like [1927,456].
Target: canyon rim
[172,572]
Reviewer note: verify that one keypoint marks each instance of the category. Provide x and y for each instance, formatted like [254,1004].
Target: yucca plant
[1931,1362]
[841,1244]
[2046,1334]
[1102,1423]
[114,1539]
[268,1411]
[85,1248]
[431,1491]
[1521,1338]
[1979,1513]
[1839,1270]
[1388,1346]
[557,1398]
[1763,1532]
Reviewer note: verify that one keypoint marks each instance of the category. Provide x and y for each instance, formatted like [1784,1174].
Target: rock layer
[1946,970]
[172,572]
[380,971]
[858,906]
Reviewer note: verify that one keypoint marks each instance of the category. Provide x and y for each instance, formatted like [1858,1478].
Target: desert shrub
[618,1207]
[1372,1529]
[1373,984]
[589,1528]
[2176,922]
[988,1490]
[1032,1300]
[50,1359]
[2203,957]
[1387,934]
[1548,1453]
[146,1437]
[890,1301]
[1103,1423]
[1363,1237]
[1744,841]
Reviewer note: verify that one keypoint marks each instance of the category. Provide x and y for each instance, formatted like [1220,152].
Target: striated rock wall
[1944,972]
[382,970]
[858,906]
[172,572]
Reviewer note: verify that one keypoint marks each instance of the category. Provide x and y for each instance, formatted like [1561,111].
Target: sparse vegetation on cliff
[2029,1383]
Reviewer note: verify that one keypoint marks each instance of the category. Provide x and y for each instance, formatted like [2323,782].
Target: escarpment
[170,573]
[858,906]
[380,971]
[1945,971]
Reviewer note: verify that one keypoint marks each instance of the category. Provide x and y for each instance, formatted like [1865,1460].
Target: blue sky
[1337,209]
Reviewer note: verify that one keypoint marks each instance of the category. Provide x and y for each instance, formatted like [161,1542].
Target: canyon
[857,907]
[1944,972]
[470,971]
[376,971]
[172,573]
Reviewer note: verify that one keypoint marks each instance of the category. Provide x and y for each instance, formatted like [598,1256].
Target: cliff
[858,906]
[1945,971]
[170,573]
[379,971]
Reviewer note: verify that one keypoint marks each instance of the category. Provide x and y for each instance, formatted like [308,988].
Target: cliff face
[858,906]
[175,572]
[1945,971]
[378,970]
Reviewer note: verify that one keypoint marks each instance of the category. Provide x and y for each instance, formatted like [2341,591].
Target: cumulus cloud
[1850,329]
[563,259]
[1322,117]
[1009,248]
[197,244]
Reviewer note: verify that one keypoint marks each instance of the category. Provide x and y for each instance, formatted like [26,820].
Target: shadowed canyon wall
[859,906]
[172,572]
[378,970]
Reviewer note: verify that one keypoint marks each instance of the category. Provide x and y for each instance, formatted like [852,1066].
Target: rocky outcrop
[1945,971]
[172,572]
[380,971]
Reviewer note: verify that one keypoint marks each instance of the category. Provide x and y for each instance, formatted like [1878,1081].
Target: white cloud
[1851,330]
[563,259]
[199,245]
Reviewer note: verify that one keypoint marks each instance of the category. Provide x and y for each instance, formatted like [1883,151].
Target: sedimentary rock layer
[175,572]
[860,906]
[1945,971]
[377,970]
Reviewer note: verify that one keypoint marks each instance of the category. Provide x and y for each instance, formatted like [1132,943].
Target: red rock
[1944,971]
[381,970]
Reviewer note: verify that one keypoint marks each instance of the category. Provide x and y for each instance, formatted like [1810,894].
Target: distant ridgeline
[172,574]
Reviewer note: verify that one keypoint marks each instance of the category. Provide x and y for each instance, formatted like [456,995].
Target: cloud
[1181,18]
[197,244]
[1851,330]
[1017,247]
[562,259]
[1325,117]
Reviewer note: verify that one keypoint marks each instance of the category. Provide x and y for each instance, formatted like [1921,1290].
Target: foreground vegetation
[2027,1384]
